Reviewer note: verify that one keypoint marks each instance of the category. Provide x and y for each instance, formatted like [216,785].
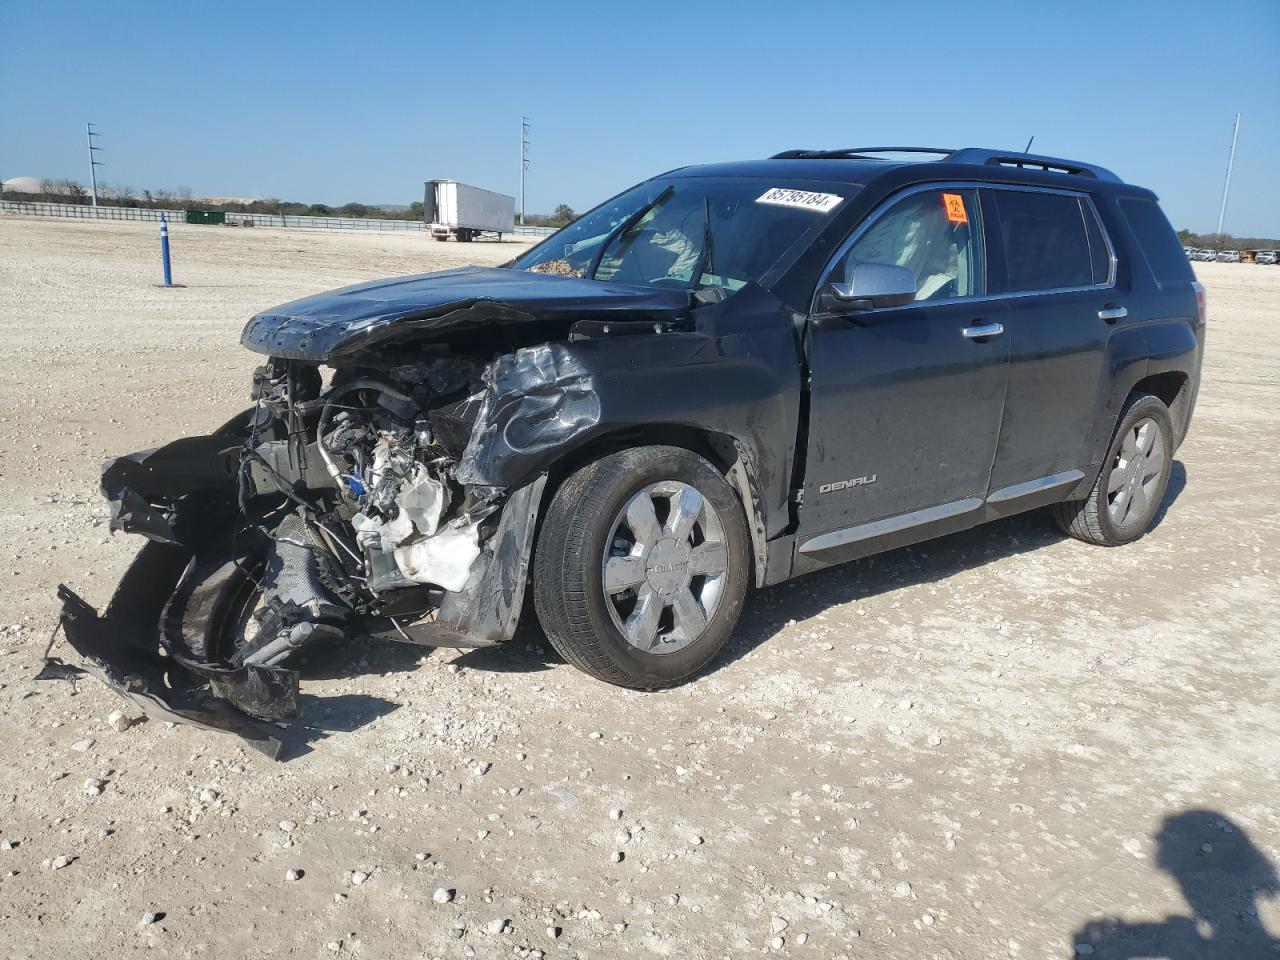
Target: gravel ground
[999,744]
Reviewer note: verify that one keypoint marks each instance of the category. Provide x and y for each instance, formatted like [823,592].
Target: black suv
[726,376]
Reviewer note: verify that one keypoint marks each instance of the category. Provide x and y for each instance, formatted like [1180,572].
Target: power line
[94,163]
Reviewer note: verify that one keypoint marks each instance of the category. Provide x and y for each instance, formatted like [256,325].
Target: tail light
[1198,287]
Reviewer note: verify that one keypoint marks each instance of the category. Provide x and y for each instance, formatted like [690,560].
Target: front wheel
[641,566]
[1123,502]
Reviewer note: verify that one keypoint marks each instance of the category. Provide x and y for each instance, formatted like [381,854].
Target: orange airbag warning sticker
[954,204]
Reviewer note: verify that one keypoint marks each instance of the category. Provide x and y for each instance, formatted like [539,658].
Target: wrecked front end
[362,495]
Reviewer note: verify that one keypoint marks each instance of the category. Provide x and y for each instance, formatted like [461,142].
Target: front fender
[546,401]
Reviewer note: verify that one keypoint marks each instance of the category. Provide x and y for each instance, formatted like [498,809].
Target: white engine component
[444,559]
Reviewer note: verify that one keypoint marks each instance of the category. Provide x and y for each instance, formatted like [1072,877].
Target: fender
[1125,363]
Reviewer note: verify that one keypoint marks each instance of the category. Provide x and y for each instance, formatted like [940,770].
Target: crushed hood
[351,319]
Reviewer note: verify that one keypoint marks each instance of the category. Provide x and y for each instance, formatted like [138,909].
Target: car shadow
[319,717]
[1177,483]
[342,659]
[1221,874]
[767,611]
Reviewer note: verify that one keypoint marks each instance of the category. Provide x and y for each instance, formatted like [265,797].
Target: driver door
[905,401]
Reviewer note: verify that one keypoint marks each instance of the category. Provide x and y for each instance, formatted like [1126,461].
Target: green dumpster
[206,216]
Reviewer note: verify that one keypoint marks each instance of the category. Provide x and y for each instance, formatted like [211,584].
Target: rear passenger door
[1054,265]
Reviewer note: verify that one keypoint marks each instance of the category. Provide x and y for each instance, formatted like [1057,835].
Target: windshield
[686,233]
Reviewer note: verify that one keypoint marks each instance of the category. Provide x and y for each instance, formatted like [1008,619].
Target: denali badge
[846,484]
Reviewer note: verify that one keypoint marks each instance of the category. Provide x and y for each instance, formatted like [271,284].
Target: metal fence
[520,231]
[85,212]
[74,211]
[321,223]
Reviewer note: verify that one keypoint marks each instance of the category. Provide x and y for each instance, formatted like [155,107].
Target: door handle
[1111,313]
[982,331]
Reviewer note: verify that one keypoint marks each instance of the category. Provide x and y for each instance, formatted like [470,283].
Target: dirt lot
[969,749]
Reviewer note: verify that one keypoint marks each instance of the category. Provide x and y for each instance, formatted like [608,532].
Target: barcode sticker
[783,197]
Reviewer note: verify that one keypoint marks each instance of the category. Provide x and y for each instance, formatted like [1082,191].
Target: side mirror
[872,285]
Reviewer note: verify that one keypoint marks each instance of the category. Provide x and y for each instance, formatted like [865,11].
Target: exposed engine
[367,465]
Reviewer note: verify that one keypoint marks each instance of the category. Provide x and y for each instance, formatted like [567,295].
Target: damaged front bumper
[152,643]
[120,648]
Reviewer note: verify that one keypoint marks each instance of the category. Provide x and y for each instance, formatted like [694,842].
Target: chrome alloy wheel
[1135,473]
[665,567]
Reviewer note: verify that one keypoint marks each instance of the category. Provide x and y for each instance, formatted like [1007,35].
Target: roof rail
[975,155]
[997,158]
[855,153]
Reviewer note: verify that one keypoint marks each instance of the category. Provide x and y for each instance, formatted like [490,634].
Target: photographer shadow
[1222,874]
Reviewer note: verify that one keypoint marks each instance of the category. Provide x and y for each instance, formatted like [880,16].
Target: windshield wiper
[623,227]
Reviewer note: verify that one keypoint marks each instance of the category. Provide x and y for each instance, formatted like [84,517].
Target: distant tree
[354,210]
[184,195]
[68,191]
[319,210]
[563,215]
[417,210]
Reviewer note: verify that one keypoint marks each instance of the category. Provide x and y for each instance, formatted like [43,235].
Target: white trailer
[454,209]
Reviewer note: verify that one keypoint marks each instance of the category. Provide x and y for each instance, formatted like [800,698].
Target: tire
[209,611]
[1120,509]
[697,552]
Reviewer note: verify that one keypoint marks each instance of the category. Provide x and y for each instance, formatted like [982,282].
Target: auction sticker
[782,197]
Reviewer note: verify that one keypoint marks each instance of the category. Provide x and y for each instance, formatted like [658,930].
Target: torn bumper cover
[120,649]
[182,498]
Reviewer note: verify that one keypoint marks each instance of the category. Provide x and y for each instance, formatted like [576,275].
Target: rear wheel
[641,566]
[1123,502]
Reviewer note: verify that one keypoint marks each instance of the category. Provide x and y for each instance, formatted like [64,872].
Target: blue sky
[327,102]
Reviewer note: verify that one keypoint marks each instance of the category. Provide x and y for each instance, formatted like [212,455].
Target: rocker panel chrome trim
[1039,485]
[879,528]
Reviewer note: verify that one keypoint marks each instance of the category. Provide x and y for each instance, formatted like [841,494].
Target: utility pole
[524,161]
[94,162]
[1222,211]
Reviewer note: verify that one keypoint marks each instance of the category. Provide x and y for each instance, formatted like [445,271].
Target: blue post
[164,250]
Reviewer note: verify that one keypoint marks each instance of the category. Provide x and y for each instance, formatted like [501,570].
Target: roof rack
[855,153]
[974,155]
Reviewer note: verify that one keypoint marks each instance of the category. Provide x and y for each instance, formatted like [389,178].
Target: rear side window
[1160,245]
[1047,242]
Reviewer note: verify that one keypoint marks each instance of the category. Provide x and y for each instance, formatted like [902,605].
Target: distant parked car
[1202,255]
[1267,256]
[1229,256]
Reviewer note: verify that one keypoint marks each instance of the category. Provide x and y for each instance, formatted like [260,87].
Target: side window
[936,234]
[1046,242]
[1160,245]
